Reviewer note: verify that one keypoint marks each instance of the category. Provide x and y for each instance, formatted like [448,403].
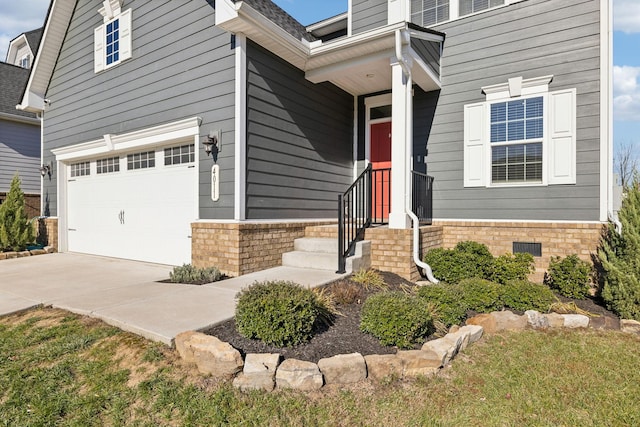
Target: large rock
[259,372]
[475,332]
[298,374]
[211,356]
[536,319]
[573,321]
[630,326]
[499,321]
[343,368]
[445,349]
[381,366]
[604,322]
[419,363]
[555,320]
[182,343]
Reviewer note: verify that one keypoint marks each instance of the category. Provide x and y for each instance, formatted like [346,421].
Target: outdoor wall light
[211,140]
[46,169]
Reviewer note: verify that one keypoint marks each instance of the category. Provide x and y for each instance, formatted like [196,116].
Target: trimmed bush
[569,276]
[619,257]
[189,274]
[523,295]
[481,295]
[279,313]
[466,260]
[16,232]
[509,267]
[450,306]
[396,318]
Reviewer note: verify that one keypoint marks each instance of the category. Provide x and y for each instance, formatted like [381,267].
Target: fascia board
[20,119]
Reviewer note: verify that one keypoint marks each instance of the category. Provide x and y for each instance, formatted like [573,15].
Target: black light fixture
[46,169]
[211,140]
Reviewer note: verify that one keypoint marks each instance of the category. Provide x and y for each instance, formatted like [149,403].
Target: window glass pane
[515,131]
[443,13]
[534,152]
[494,3]
[499,173]
[380,112]
[498,112]
[515,110]
[534,129]
[534,172]
[516,153]
[498,132]
[516,163]
[466,7]
[429,12]
[534,107]
[515,172]
[428,17]
[499,155]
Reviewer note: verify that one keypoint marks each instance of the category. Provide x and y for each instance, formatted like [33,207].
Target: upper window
[429,12]
[112,39]
[472,6]
[143,160]
[24,62]
[179,155]
[522,135]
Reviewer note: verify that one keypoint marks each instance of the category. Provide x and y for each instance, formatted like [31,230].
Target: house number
[215,182]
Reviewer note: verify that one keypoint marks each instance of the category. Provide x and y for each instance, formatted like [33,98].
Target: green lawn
[61,369]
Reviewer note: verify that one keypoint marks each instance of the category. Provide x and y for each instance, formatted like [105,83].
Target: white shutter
[98,49]
[561,148]
[125,35]
[474,145]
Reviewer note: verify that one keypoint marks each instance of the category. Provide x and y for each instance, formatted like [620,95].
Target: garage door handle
[121,217]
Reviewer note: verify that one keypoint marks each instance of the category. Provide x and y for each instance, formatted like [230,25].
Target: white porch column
[401,145]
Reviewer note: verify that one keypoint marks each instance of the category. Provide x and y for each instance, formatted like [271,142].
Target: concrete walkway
[127,294]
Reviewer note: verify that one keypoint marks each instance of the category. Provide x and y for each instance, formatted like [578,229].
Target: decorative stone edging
[265,371]
[22,254]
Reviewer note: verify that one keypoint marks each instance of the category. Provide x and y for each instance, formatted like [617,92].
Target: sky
[18,16]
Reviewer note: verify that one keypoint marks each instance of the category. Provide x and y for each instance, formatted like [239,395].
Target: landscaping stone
[475,332]
[50,249]
[417,362]
[460,339]
[343,368]
[630,326]
[453,329]
[536,319]
[23,254]
[38,252]
[380,366]
[555,320]
[604,322]
[499,321]
[259,372]
[11,255]
[298,374]
[575,321]
[211,356]
[443,348]
[3,255]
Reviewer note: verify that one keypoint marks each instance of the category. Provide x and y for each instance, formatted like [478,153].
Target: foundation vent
[534,249]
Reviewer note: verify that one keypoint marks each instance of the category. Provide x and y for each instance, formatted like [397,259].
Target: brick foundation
[392,250]
[238,248]
[557,239]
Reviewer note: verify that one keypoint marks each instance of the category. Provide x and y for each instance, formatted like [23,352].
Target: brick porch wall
[47,231]
[392,250]
[244,247]
[557,239]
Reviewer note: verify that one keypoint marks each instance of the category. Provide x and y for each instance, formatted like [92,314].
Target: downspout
[402,38]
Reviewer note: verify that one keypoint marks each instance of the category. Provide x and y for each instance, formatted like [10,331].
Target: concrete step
[316,244]
[314,260]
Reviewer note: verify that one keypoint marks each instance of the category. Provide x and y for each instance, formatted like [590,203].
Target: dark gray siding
[532,38]
[299,141]
[429,52]
[182,66]
[368,14]
[20,152]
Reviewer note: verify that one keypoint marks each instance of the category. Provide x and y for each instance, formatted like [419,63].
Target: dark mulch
[344,335]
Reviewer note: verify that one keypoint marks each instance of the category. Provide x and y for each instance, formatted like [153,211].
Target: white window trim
[454,11]
[110,12]
[559,133]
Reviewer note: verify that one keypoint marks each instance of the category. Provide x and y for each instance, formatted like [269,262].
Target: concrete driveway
[127,294]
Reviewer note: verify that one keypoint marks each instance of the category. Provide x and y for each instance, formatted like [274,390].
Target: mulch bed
[344,335]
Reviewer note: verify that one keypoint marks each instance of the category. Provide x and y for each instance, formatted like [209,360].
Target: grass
[68,370]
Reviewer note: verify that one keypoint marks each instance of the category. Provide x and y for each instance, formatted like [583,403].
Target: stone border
[266,371]
[23,254]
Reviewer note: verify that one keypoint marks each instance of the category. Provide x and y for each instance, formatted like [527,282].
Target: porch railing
[422,196]
[354,216]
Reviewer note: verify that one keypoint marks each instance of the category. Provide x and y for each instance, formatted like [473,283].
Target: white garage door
[136,206]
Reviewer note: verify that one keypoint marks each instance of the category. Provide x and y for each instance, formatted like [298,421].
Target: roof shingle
[13,80]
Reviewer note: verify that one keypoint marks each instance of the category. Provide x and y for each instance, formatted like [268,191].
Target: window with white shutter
[112,40]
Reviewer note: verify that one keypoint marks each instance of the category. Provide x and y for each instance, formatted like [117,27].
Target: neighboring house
[506,104]
[19,139]
[22,49]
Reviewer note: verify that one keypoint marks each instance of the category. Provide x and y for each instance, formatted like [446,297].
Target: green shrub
[480,295]
[466,260]
[523,295]
[450,306]
[619,258]
[569,276]
[187,273]
[16,232]
[279,313]
[396,318]
[511,267]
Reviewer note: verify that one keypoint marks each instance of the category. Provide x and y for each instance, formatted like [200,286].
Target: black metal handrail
[354,216]
[422,197]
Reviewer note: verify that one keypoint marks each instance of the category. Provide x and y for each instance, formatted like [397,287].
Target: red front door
[381,164]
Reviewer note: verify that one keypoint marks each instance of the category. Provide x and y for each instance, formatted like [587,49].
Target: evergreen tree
[619,256]
[16,232]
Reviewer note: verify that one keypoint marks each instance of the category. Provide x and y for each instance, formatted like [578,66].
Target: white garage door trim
[114,145]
